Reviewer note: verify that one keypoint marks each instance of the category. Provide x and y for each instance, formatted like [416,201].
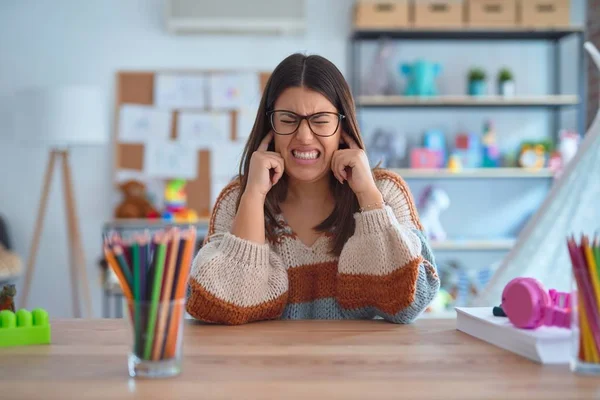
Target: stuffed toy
[135,203]
[433,201]
[10,264]
[7,298]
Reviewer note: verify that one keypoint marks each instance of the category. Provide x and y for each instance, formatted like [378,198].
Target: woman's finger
[334,167]
[264,144]
[277,166]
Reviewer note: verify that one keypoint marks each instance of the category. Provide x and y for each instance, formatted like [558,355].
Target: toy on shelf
[387,149]
[380,80]
[532,155]
[468,148]
[454,163]
[435,140]
[7,298]
[568,145]
[421,76]
[462,283]
[433,201]
[135,203]
[24,328]
[567,148]
[491,153]
[421,158]
[176,203]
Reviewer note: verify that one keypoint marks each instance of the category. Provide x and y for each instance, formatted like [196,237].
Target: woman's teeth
[306,155]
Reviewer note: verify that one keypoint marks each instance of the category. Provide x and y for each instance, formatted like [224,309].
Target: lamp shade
[61,116]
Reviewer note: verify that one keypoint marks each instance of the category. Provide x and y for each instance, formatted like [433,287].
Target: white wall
[72,41]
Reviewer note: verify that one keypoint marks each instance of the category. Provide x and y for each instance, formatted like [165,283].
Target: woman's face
[307,157]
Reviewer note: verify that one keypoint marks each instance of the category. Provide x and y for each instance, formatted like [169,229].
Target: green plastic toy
[24,328]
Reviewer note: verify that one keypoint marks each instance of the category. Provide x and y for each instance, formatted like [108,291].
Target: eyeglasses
[321,124]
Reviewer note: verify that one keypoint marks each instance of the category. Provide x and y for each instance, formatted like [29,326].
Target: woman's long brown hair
[318,74]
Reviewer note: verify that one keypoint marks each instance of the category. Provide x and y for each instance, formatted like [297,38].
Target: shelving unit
[554,102]
[474,173]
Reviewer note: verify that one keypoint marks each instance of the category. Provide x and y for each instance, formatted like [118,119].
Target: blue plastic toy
[436,140]
[421,76]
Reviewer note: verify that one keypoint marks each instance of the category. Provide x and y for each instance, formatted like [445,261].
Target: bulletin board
[137,88]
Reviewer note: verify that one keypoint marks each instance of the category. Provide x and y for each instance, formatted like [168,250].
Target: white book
[544,345]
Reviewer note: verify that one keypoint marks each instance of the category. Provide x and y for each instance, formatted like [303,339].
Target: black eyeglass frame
[306,117]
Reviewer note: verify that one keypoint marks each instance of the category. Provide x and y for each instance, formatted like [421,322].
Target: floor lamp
[60,119]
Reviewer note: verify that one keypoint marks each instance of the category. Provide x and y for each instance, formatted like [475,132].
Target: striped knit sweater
[386,268]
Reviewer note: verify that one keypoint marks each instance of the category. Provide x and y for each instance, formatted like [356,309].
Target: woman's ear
[343,144]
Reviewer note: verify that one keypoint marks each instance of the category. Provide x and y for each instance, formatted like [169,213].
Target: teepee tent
[571,207]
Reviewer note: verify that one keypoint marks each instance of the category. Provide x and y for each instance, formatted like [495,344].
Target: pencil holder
[585,306]
[157,336]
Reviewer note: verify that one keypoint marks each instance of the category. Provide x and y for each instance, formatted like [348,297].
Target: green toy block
[24,328]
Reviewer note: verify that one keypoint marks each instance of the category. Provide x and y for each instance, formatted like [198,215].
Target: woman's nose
[304,134]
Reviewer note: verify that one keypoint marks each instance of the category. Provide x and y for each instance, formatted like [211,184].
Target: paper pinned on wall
[224,166]
[225,160]
[233,91]
[203,130]
[141,124]
[244,124]
[179,91]
[170,159]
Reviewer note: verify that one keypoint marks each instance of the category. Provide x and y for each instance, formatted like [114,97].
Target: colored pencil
[135,257]
[155,296]
[120,256]
[112,262]
[180,286]
[165,298]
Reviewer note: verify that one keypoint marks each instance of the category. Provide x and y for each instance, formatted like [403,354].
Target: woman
[308,231]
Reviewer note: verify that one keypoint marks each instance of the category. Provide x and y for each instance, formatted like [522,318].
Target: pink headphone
[528,305]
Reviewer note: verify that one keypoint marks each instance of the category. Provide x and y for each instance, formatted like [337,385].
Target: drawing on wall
[203,130]
[232,91]
[140,124]
[170,159]
[179,91]
[244,124]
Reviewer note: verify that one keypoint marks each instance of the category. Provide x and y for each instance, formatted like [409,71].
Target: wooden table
[287,360]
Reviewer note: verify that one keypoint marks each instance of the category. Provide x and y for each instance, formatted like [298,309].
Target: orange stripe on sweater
[205,306]
[390,293]
[312,282]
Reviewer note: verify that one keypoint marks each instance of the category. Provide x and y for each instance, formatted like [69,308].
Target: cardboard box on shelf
[382,14]
[439,14]
[492,13]
[544,13]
